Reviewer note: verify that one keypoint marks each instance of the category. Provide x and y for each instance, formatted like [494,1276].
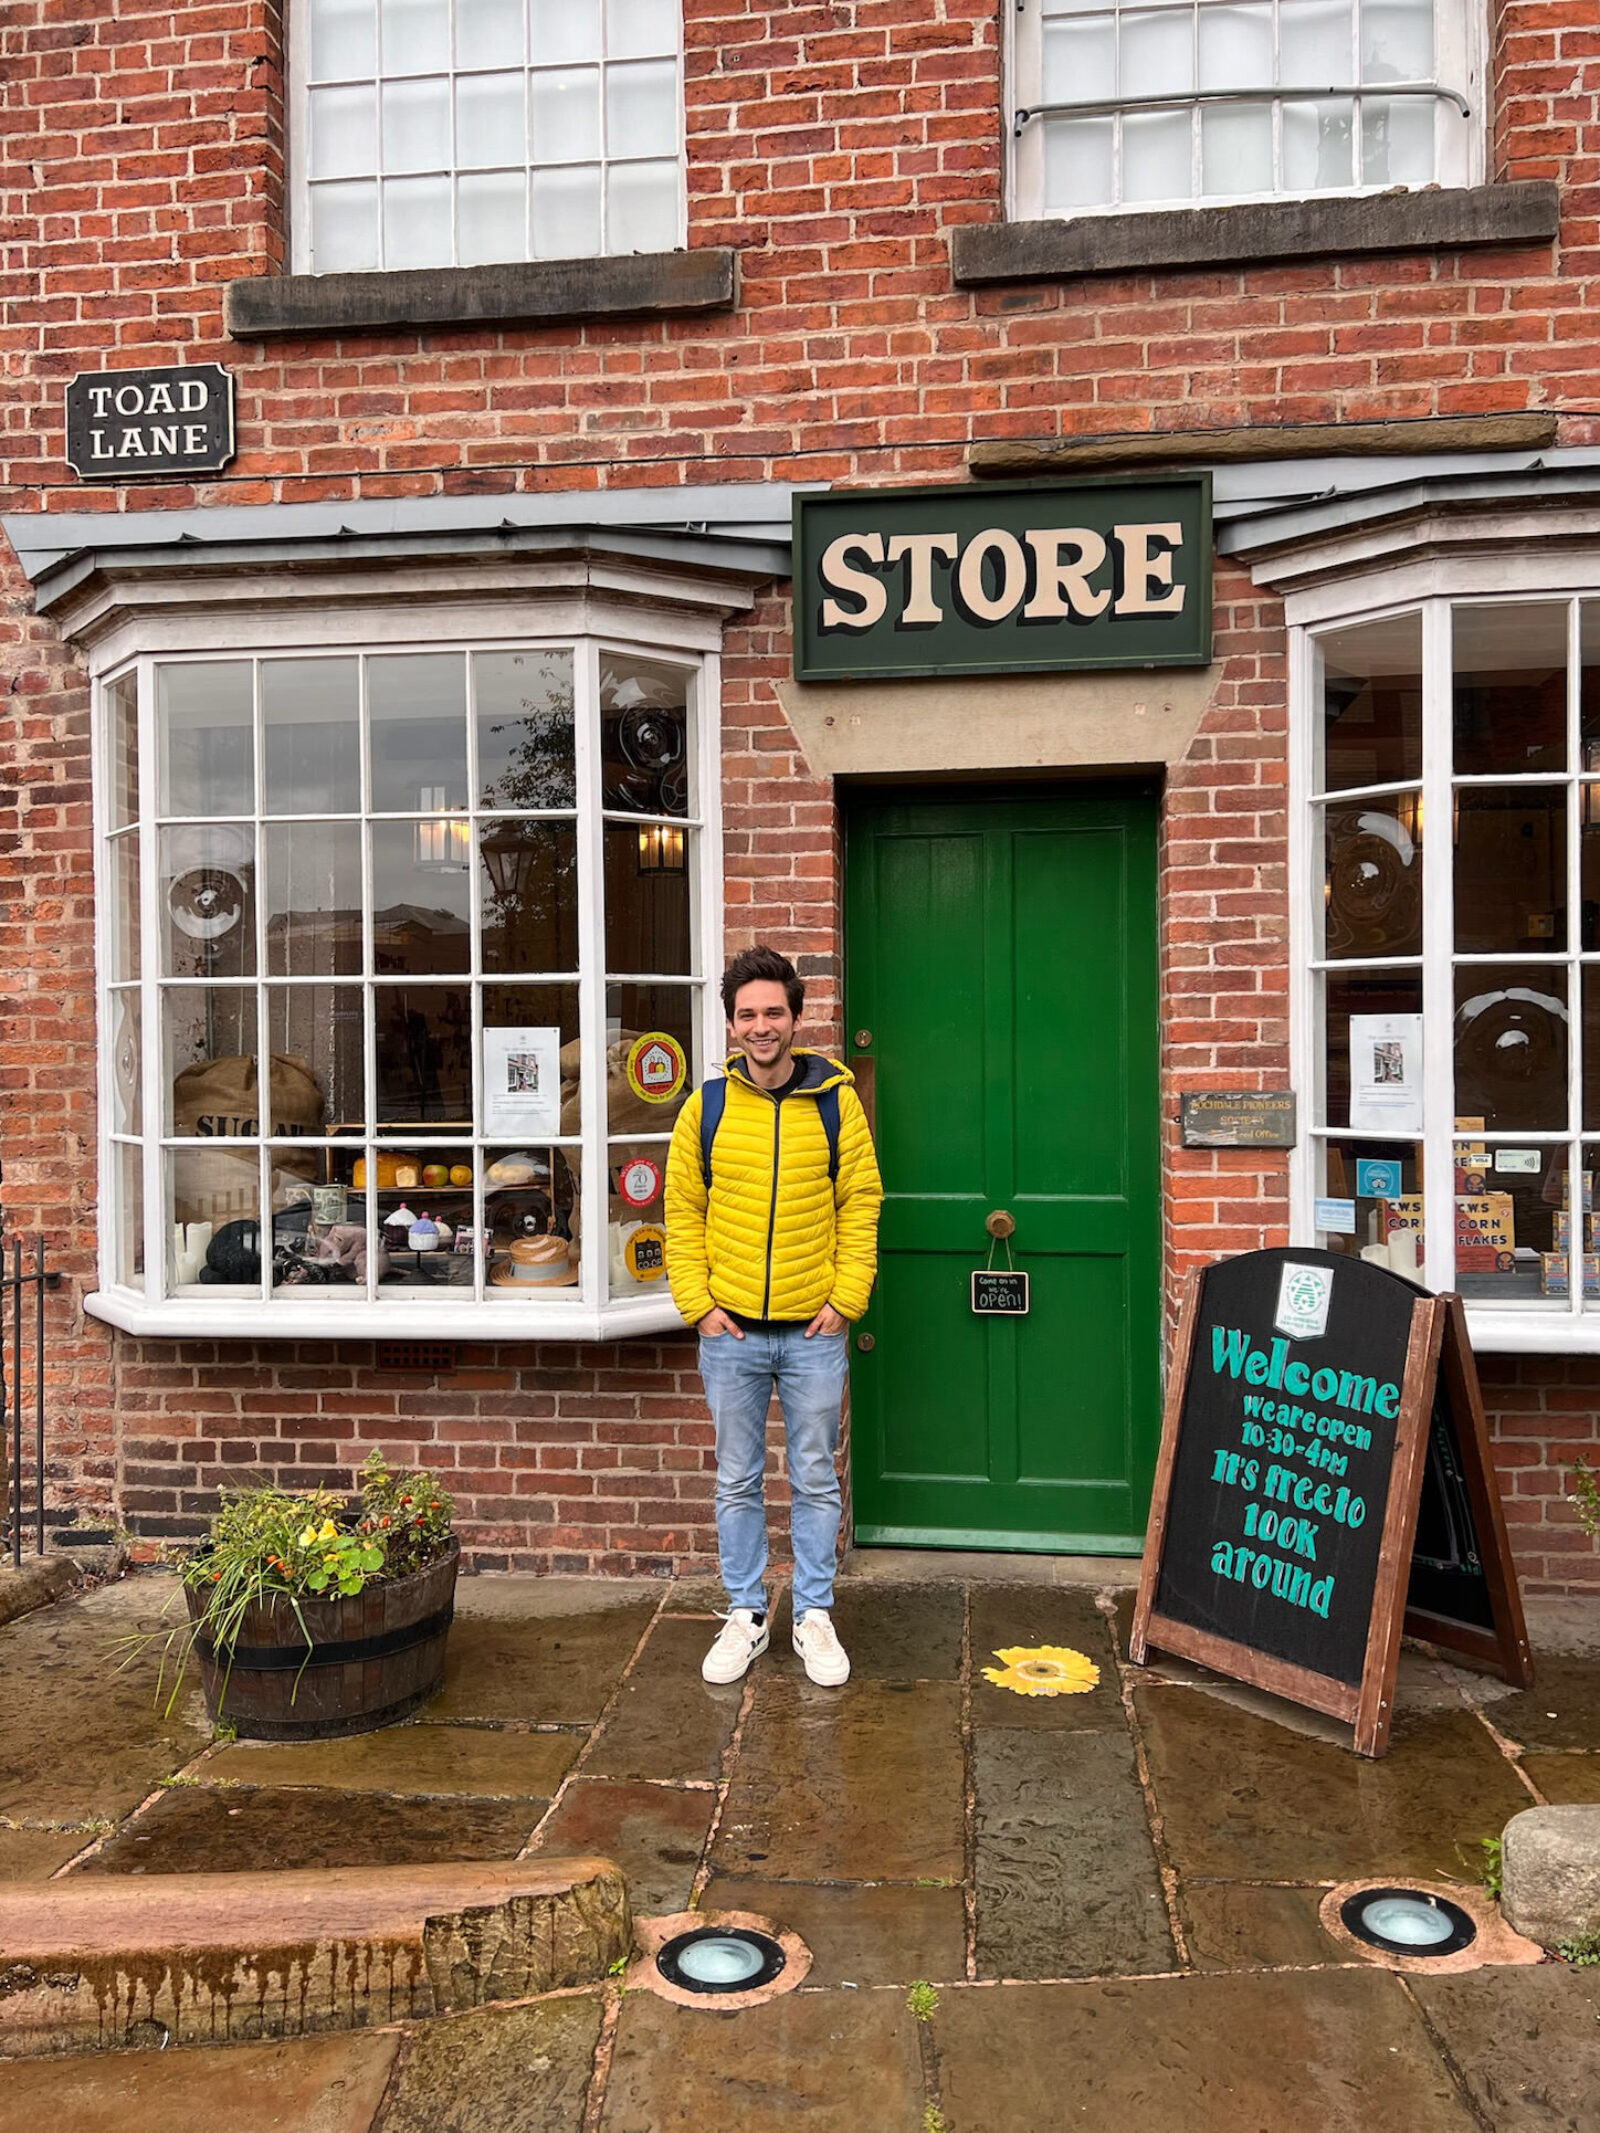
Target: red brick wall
[835,146]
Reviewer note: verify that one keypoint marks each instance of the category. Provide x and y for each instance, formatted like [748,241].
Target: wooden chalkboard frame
[1438,1341]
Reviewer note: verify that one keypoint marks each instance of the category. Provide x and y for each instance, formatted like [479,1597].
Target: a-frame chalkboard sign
[1324,1484]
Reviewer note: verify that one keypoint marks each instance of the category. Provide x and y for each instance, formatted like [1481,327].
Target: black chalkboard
[1324,1450]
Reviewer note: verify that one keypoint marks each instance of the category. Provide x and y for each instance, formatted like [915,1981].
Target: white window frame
[298,68]
[1460,144]
[591,624]
[1493,577]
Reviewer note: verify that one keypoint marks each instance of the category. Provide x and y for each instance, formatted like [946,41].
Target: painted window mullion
[155,1197]
[592,1089]
[1306,990]
[1438,943]
[1575,1003]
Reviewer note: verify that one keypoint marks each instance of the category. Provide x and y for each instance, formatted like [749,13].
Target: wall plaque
[1237,1118]
[1002,578]
[125,425]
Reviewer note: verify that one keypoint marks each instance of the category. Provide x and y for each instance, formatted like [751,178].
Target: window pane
[344,133]
[1371,688]
[633,1012]
[1381,1182]
[491,121]
[1591,1049]
[1396,40]
[1236,148]
[125,934]
[525,743]
[642,109]
[127,1061]
[416,125]
[636,1219]
[1077,163]
[208,901]
[424,1051]
[489,33]
[1579,1233]
[1316,146]
[129,1173]
[344,228]
[344,38]
[212,1222]
[1589,864]
[566,213]
[1236,47]
[528,892]
[122,716]
[647,899]
[643,207]
[644,736]
[318,1061]
[1589,655]
[1510,706]
[1080,60]
[1511,868]
[1157,53]
[635,28]
[416,223]
[417,704]
[1397,141]
[566,115]
[421,891]
[1387,1086]
[311,715]
[532,1248]
[311,874]
[491,218]
[1315,46]
[206,738]
[1157,155]
[563,30]
[522,1024]
[1510,1219]
[208,1036]
[1373,878]
[416,35]
[1511,1047]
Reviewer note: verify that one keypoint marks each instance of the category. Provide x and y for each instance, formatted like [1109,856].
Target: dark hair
[763,966]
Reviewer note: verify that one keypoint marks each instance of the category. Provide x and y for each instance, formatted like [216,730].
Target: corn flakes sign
[1000,578]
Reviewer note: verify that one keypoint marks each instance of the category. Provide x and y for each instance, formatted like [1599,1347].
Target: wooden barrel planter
[374,1659]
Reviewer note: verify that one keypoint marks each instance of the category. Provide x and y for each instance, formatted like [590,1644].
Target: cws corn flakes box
[1555,1274]
[1561,1231]
[1486,1234]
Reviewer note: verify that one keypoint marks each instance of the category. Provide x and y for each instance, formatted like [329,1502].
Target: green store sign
[1002,578]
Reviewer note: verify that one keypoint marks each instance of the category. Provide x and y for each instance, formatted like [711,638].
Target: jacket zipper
[772,1211]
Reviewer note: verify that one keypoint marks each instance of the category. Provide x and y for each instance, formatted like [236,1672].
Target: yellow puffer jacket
[779,1238]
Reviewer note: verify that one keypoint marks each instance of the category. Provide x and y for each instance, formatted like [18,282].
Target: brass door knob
[1000,1224]
[863,1039]
[866,1343]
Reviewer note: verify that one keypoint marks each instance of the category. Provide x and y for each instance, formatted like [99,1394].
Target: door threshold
[934,1566]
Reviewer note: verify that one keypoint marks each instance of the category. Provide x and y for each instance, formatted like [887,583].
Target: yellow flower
[309,1536]
[1044,1670]
[329,1531]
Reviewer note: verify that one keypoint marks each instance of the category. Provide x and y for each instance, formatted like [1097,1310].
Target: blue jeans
[810,1378]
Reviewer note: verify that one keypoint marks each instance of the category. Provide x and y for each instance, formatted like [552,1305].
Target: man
[772,1239]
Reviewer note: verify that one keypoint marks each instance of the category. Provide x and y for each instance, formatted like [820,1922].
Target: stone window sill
[531,292]
[1275,232]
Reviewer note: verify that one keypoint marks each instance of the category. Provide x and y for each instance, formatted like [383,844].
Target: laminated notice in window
[1386,1074]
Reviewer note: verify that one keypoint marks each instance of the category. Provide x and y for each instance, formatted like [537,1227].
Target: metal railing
[14,1327]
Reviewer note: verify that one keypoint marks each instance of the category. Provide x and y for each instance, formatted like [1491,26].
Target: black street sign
[125,425]
[1003,1295]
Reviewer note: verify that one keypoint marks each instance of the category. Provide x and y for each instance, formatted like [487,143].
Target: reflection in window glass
[214,1236]
[528,894]
[1381,1068]
[127,1061]
[311,736]
[424,1056]
[207,893]
[644,737]
[208,1039]
[1509,699]
[421,897]
[1511,868]
[129,1174]
[417,708]
[647,899]
[1511,1216]
[525,729]
[1377,1187]
[312,878]
[122,715]
[124,930]
[1511,1047]
[205,737]
[1371,691]
[647,1083]
[315,1038]
[1372,903]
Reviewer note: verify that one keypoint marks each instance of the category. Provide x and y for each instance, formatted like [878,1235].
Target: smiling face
[763,1029]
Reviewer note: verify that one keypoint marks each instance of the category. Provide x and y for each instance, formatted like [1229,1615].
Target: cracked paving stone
[1321,2051]
[654,1833]
[834,2062]
[863,1783]
[1007,1615]
[1230,1925]
[309,2085]
[499,2070]
[411,1760]
[1566,1780]
[668,1723]
[1526,2043]
[860,1936]
[224,1830]
[1244,1799]
[1067,1880]
[546,1670]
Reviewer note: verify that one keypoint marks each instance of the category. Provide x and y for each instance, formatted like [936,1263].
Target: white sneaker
[815,1639]
[739,1640]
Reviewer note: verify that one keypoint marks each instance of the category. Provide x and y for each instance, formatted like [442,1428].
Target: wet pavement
[1113,1896]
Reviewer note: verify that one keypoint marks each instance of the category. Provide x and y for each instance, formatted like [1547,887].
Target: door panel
[1002,955]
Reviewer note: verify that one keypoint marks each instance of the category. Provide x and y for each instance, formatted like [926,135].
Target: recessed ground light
[1407,1922]
[720,1959]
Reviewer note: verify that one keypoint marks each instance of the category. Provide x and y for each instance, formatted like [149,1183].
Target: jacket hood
[817,1072]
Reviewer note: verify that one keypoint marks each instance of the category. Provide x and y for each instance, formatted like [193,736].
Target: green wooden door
[1001,957]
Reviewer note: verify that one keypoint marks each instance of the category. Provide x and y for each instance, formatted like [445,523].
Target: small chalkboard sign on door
[1325,1483]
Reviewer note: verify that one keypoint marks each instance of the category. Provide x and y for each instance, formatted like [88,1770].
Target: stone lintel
[1533,430]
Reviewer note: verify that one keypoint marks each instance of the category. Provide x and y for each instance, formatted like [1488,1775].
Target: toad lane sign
[127,424]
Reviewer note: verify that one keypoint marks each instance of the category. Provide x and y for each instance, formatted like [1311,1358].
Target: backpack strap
[714,1101]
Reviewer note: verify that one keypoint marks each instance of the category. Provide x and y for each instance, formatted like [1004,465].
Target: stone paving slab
[274,1829]
[1561,1710]
[1566,1780]
[1067,1880]
[84,1735]
[892,1632]
[499,2070]
[859,1936]
[35,1854]
[1244,1799]
[1231,1925]
[1330,2051]
[538,1669]
[832,2062]
[308,2085]
[1526,2043]
[1007,1615]
[668,1723]
[863,1783]
[655,1833]
[412,1760]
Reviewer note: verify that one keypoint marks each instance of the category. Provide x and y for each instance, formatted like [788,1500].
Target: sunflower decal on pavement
[1043,1670]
